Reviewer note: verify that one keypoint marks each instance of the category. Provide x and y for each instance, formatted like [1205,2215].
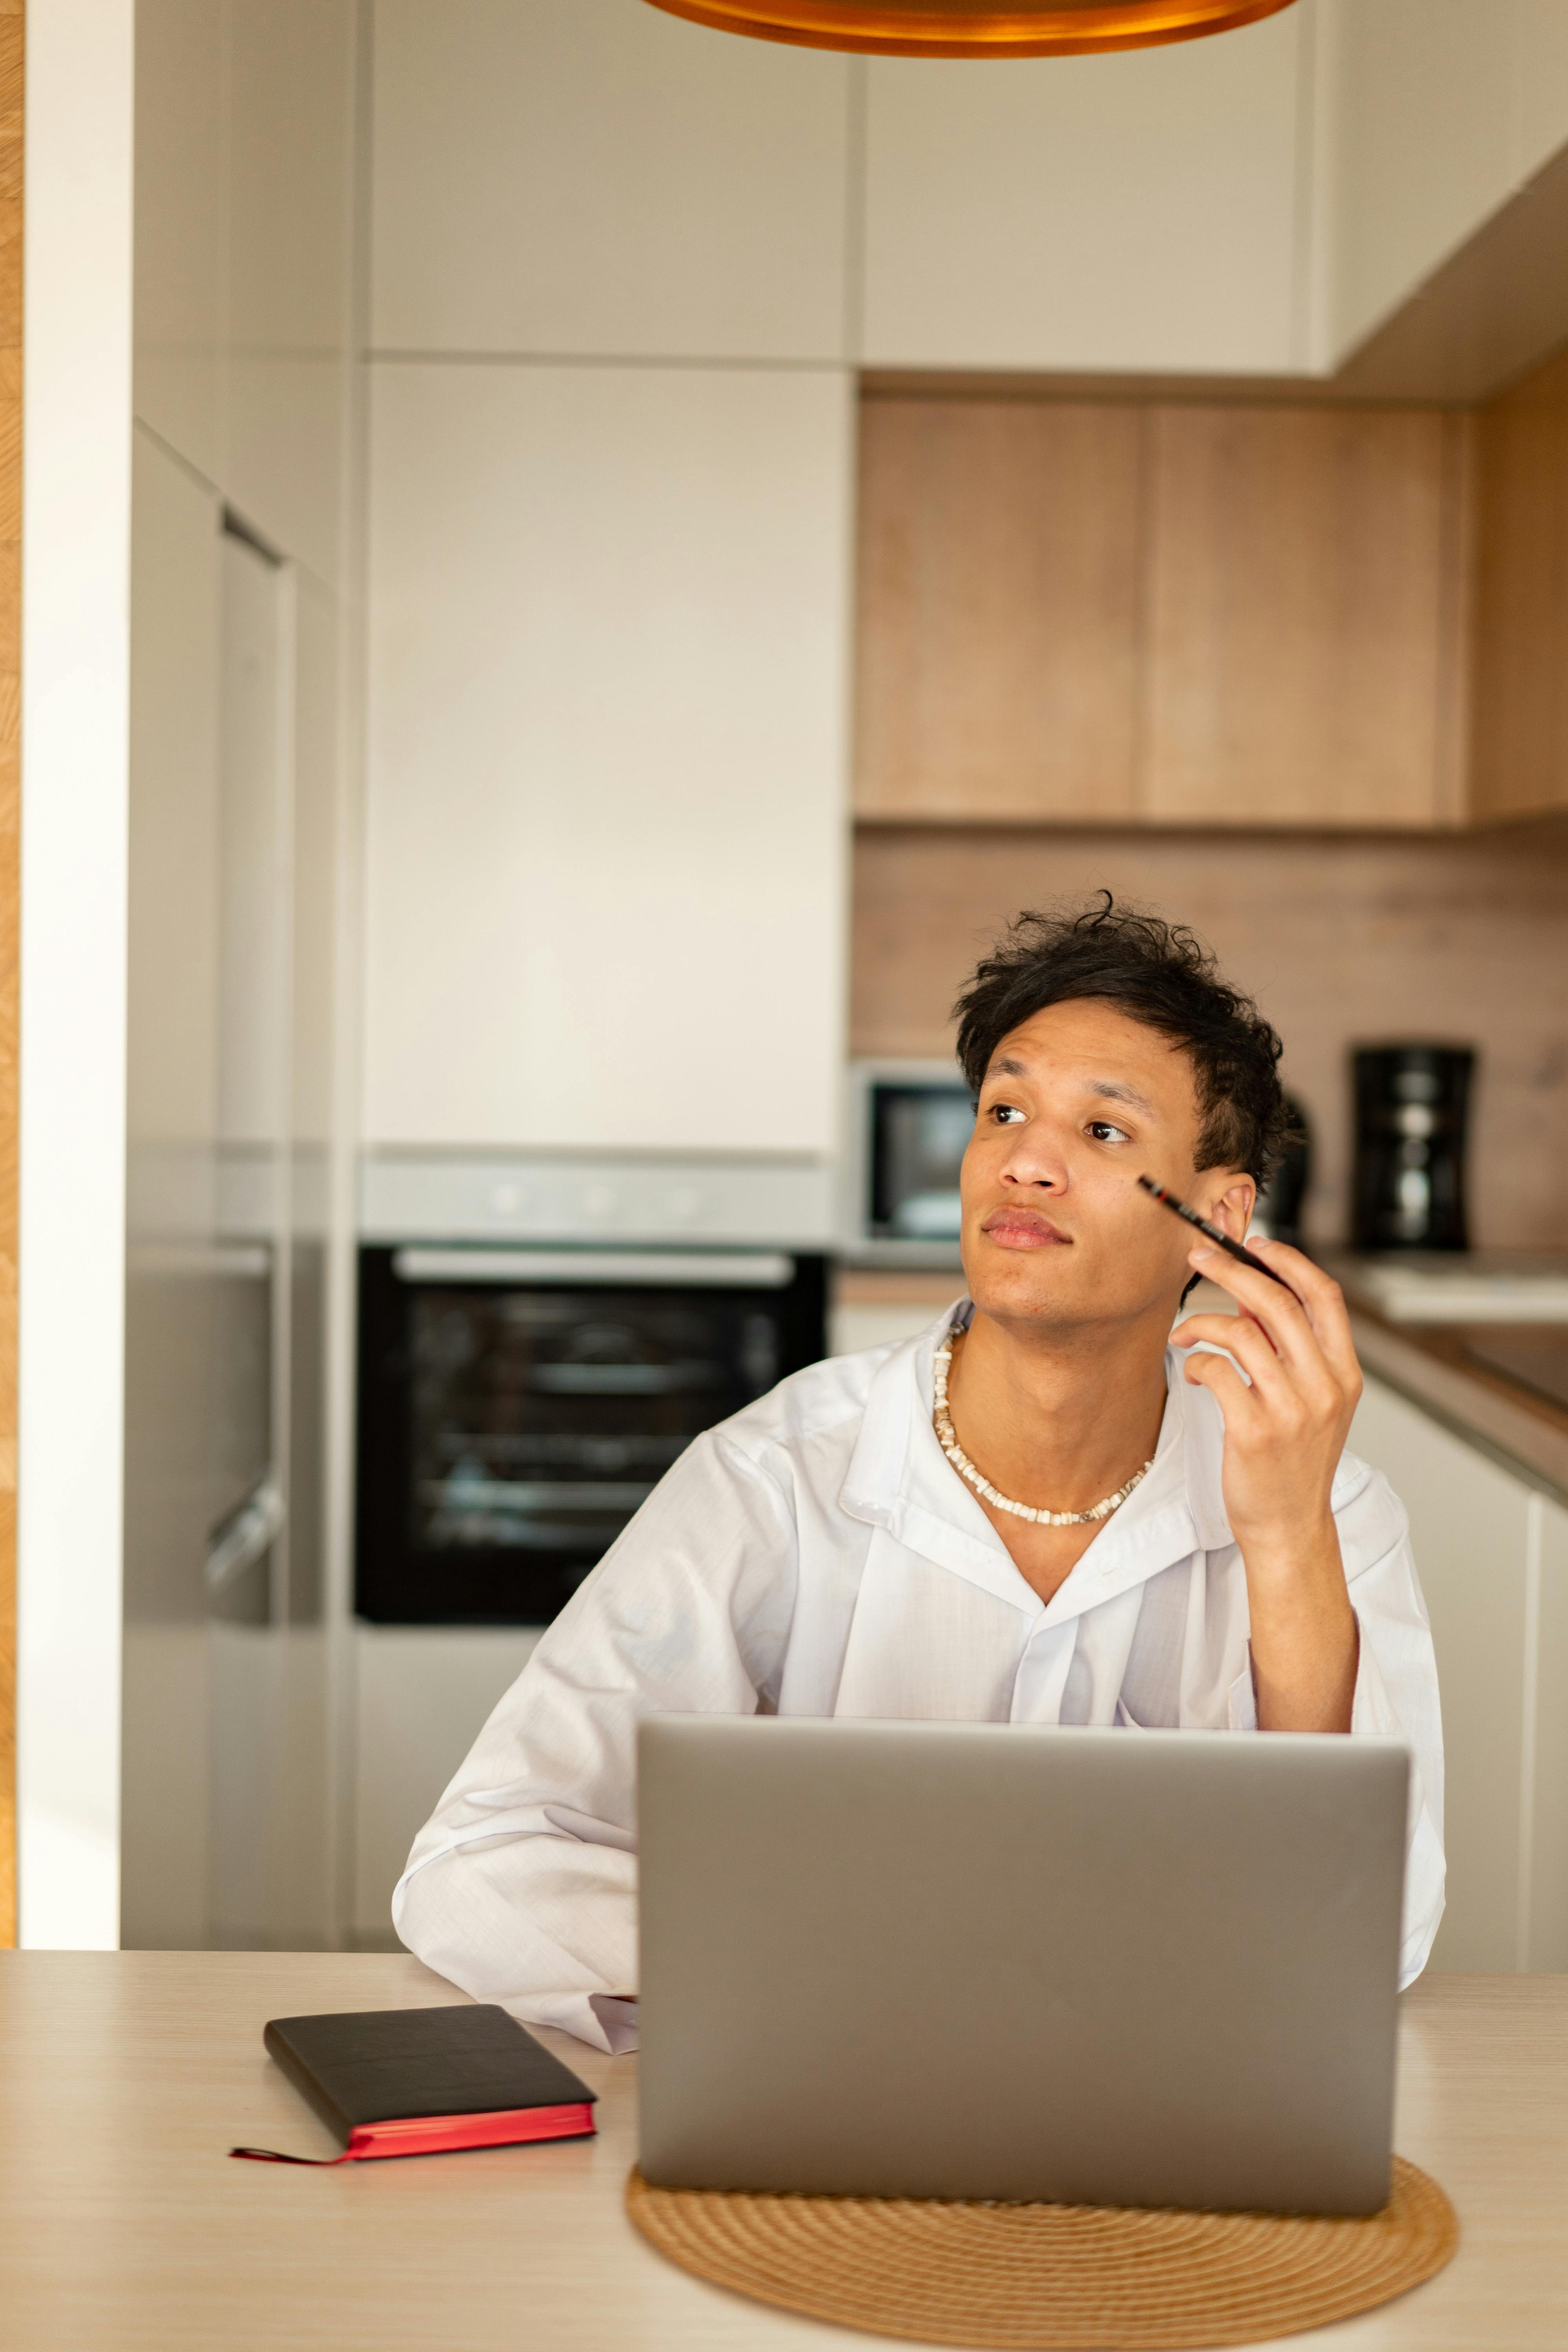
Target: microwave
[909,1124]
[516,1405]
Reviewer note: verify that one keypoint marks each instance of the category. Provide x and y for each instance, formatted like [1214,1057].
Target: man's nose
[1035,1161]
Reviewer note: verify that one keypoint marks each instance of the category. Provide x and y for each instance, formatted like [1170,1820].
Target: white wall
[75,525]
[1435,112]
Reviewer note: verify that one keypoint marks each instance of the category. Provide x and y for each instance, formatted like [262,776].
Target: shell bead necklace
[942,1421]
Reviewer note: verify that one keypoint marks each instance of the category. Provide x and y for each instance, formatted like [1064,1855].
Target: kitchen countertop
[1431,1364]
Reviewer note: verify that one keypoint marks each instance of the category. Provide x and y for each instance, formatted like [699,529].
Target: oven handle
[673,1269]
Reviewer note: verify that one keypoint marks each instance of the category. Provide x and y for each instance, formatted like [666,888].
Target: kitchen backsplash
[1344,939]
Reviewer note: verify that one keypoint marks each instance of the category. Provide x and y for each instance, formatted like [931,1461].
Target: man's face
[1078,1103]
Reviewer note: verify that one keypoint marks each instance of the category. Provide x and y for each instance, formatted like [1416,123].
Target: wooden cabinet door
[1521,599]
[1305,623]
[999,595]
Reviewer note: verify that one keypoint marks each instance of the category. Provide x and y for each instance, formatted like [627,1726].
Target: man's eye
[1104,1133]
[1005,1113]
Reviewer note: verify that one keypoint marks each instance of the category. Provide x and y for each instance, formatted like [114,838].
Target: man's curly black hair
[1156,973]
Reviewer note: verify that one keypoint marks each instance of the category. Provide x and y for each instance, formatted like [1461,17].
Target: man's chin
[1043,1282]
[1057,1290]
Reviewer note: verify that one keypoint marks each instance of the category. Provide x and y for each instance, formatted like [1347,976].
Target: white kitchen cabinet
[596,177]
[422,1695]
[244,183]
[1492,1555]
[1545,1916]
[291,68]
[1433,112]
[607,758]
[172,1283]
[182,205]
[1136,211]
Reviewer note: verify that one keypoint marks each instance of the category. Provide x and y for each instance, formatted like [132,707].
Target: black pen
[1169,1200]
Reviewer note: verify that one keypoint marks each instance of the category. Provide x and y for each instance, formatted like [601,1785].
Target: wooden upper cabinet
[998,609]
[1160,613]
[1305,632]
[1521,599]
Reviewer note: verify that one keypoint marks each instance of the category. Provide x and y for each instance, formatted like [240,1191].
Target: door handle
[249,1529]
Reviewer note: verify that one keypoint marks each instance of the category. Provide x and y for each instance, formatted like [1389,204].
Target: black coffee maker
[1410,1103]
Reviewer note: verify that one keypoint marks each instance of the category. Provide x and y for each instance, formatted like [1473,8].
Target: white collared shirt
[817,1555]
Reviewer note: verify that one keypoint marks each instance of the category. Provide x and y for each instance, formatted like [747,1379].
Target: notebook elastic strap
[276,2156]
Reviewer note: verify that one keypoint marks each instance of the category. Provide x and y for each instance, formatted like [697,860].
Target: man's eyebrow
[1108,1089]
[1112,1090]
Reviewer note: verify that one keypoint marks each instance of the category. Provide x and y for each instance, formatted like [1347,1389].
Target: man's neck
[1057,1418]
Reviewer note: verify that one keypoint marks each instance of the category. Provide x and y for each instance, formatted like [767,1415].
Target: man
[1098,1526]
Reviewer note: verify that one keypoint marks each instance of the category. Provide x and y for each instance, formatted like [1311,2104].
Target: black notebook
[418,2082]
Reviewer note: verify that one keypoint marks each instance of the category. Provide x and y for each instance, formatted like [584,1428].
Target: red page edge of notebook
[500,2127]
[448,2135]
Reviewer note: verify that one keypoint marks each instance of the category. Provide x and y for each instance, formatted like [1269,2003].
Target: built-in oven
[910,1123]
[516,1405]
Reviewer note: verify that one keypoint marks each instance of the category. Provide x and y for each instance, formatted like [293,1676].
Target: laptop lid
[938,1959]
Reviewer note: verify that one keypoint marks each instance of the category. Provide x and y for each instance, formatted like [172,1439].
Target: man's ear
[1233,1204]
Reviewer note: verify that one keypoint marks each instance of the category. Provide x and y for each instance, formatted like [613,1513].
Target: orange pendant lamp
[975,29]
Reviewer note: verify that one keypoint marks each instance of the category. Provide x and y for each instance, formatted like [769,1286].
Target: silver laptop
[941,1960]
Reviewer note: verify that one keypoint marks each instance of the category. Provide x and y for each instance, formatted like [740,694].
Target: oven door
[517,1405]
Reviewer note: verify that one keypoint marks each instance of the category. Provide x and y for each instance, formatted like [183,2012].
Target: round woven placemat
[1051,2278]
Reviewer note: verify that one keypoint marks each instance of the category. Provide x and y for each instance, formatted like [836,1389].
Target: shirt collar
[898,1478]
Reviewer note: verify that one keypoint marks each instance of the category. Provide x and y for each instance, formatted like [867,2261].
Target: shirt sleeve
[522,1886]
[1395,1689]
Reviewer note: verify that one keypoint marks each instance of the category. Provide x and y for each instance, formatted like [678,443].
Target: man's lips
[1023,1229]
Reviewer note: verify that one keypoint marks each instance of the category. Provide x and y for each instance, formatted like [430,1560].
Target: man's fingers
[1278,1308]
[1306,1331]
[1236,1401]
[1324,1303]
[1215,1330]
[1241,1338]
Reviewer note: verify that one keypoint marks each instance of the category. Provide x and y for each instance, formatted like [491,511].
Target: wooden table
[124,2078]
